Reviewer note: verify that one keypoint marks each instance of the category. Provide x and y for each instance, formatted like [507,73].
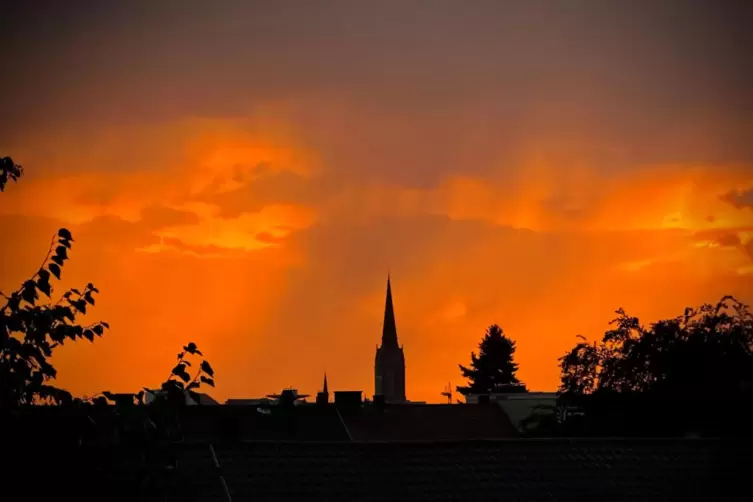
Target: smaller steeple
[323,396]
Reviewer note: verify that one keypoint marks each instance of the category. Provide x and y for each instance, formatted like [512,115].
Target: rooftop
[428,422]
[514,469]
[316,422]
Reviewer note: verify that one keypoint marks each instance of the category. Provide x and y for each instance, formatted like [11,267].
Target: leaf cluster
[9,171]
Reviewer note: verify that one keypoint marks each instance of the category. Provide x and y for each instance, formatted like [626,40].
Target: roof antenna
[448,393]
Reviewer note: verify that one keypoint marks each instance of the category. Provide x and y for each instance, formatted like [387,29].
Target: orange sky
[265,234]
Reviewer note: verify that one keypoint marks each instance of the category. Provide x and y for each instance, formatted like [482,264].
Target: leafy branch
[30,331]
[181,378]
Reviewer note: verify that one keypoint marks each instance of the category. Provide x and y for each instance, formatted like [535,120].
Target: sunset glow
[257,212]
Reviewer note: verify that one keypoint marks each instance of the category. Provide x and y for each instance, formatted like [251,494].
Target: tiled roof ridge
[489,441]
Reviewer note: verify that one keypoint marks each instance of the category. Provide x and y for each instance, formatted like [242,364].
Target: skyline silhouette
[204,199]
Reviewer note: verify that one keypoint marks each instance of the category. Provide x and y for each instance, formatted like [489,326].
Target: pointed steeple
[389,329]
[324,389]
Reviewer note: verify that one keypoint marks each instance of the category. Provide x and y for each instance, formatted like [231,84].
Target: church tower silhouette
[389,363]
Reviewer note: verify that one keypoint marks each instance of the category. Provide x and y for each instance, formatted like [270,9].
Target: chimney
[287,398]
[348,398]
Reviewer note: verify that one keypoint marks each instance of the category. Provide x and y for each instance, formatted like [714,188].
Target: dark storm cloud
[651,75]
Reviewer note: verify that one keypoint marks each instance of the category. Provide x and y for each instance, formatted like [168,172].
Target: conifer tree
[494,368]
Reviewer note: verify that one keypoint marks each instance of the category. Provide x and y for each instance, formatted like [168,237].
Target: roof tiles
[525,470]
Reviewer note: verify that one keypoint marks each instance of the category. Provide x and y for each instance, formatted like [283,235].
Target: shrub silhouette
[30,329]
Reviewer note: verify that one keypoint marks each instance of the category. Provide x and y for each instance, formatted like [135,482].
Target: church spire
[324,389]
[389,329]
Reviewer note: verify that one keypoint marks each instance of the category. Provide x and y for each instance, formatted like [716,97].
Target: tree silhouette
[493,370]
[30,330]
[706,349]
[649,379]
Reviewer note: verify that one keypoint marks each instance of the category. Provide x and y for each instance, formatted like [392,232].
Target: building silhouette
[389,363]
